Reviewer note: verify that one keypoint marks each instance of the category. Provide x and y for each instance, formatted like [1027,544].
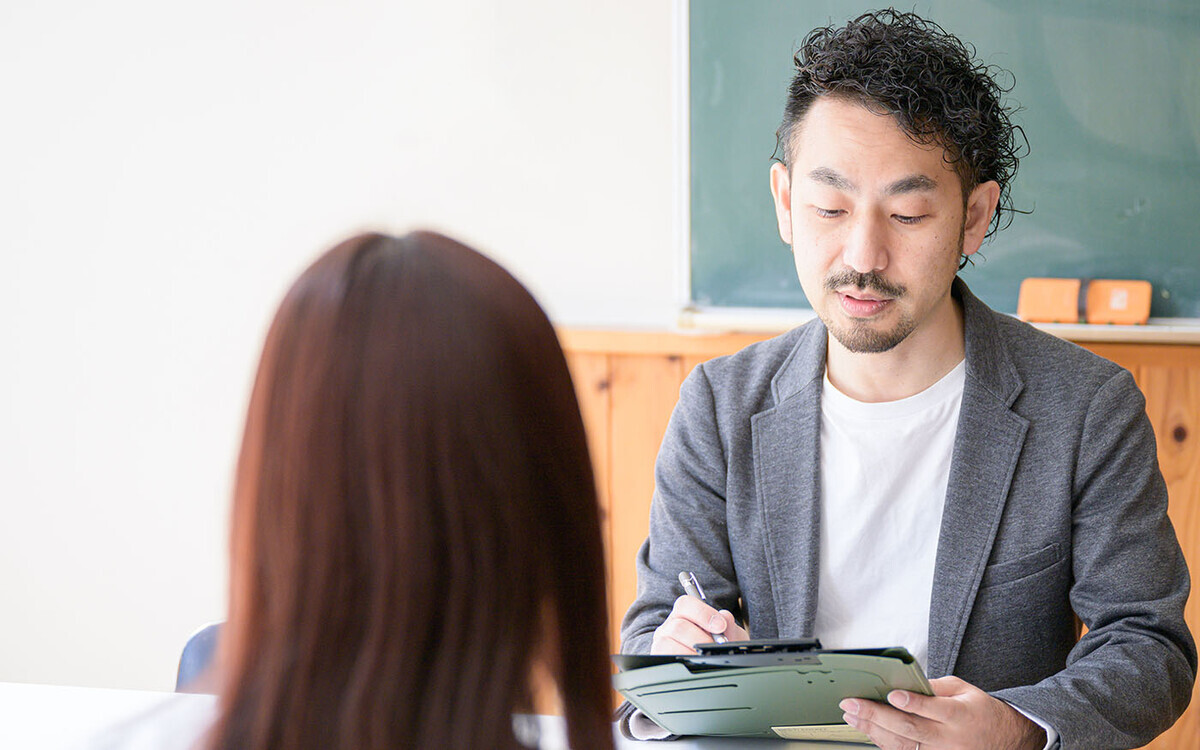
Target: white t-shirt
[885,468]
[884,472]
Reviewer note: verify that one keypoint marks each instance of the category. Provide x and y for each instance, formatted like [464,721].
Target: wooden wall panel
[644,391]
[689,363]
[592,373]
[1173,403]
[593,377]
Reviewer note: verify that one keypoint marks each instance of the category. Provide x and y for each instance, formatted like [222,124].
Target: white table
[52,717]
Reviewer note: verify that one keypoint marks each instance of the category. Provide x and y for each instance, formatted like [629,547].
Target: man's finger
[950,685]
[940,709]
[691,608]
[892,720]
[699,615]
[668,645]
[678,636]
[692,621]
[730,628]
[709,619]
[881,736]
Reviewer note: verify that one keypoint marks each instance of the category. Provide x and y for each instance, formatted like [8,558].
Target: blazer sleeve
[1131,675]
[688,529]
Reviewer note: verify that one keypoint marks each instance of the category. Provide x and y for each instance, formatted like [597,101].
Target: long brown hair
[414,514]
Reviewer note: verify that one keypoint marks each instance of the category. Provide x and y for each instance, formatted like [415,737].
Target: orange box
[1123,303]
[1049,301]
[1119,302]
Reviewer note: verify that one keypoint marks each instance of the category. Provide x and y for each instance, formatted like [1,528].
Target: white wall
[166,169]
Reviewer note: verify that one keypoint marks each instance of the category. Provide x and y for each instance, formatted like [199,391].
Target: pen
[691,587]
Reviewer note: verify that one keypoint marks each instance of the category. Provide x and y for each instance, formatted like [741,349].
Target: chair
[195,660]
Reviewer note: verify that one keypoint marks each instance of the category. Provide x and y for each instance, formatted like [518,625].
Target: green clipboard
[764,688]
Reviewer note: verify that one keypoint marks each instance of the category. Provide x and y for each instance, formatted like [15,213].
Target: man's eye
[908,219]
[829,213]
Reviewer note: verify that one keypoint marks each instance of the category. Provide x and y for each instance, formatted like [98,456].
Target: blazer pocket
[1022,567]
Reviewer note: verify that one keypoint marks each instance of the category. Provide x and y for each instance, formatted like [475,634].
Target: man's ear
[781,190]
[981,205]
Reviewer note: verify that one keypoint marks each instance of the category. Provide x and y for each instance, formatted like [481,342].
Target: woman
[414,527]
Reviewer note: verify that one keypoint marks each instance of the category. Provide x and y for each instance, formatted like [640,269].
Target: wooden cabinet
[628,384]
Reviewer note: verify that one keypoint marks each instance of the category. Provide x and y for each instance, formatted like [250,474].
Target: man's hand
[692,621]
[959,716]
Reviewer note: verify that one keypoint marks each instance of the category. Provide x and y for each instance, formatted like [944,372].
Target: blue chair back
[196,657]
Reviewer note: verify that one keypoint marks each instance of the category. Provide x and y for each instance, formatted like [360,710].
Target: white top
[61,717]
[178,722]
[884,472]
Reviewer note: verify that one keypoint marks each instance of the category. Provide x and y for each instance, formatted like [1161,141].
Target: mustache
[871,281]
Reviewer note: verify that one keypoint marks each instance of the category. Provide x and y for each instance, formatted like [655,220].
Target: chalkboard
[1109,92]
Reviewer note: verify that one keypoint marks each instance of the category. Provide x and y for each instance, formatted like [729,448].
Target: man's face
[877,225]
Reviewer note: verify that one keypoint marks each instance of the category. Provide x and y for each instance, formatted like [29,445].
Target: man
[913,468]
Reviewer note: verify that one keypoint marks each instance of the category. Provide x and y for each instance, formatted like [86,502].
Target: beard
[862,336]
[865,336]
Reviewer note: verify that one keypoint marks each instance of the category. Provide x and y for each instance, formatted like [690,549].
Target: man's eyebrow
[916,183]
[827,176]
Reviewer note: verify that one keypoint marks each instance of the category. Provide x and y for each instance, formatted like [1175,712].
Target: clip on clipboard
[764,688]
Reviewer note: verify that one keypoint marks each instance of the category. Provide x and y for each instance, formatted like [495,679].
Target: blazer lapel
[987,446]
[787,462]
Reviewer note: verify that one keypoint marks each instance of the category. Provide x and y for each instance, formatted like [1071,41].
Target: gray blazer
[1055,507]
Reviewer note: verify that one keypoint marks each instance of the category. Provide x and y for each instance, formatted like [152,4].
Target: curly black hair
[928,80]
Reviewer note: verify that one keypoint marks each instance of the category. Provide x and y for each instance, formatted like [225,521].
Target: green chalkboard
[1109,92]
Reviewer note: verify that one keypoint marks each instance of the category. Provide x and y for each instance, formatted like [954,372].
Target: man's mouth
[858,303]
[864,286]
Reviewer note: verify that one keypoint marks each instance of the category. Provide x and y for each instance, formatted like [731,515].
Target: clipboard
[765,688]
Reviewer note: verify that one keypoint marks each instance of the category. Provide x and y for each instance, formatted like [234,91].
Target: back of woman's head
[414,513]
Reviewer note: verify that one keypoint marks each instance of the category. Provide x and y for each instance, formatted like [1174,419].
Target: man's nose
[866,244]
